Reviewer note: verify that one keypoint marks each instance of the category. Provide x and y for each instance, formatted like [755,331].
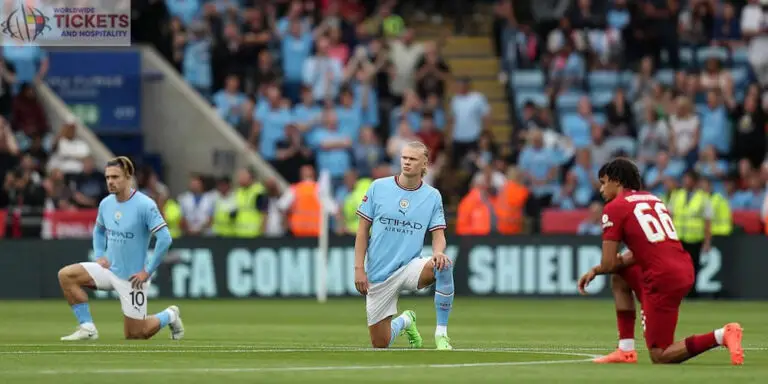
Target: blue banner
[102,88]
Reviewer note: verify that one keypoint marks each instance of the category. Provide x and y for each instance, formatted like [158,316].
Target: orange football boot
[618,357]
[732,341]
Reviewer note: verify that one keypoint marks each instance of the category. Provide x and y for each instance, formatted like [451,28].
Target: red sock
[625,320]
[698,344]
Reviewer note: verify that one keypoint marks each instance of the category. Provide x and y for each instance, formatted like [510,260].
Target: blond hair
[123,163]
[418,145]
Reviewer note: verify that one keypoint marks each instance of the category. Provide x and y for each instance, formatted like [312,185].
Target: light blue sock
[443,295]
[164,318]
[397,325]
[82,313]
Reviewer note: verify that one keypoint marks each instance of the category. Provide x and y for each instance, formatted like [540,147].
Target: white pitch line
[203,348]
[303,350]
[291,369]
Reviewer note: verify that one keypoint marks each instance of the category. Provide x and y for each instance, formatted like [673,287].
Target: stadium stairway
[471,56]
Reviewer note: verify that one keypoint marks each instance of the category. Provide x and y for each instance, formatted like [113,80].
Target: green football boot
[414,338]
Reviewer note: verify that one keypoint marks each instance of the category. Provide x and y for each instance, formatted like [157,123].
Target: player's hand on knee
[585,280]
[361,281]
[103,261]
[441,261]
[138,280]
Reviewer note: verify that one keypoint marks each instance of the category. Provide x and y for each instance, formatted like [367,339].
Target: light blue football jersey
[400,219]
[129,227]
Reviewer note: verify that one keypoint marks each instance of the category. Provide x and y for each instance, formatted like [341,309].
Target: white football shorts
[381,300]
[134,302]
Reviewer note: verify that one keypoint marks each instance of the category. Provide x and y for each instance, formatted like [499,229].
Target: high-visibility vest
[304,219]
[223,222]
[352,203]
[722,221]
[473,216]
[172,215]
[248,218]
[509,208]
[688,215]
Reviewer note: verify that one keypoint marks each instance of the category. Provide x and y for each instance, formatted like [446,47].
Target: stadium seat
[686,56]
[704,54]
[625,79]
[600,99]
[665,76]
[567,102]
[538,98]
[603,80]
[740,77]
[740,57]
[527,80]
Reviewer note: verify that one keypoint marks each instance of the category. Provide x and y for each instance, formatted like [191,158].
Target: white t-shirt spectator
[405,59]
[197,211]
[754,20]
[69,155]
[684,130]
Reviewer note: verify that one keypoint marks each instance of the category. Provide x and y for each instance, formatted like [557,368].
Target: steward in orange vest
[304,214]
[510,206]
[473,216]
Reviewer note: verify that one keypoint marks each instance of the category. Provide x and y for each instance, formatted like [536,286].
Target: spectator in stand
[350,114]
[653,138]
[245,120]
[197,207]
[585,173]
[579,127]
[28,115]
[178,43]
[483,156]
[31,168]
[405,54]
[593,224]
[697,24]
[642,87]
[69,151]
[621,119]
[711,168]
[409,110]
[685,128]
[333,153]
[664,167]
[149,183]
[368,153]
[9,149]
[295,14]
[365,92]
[431,137]
[57,189]
[751,199]
[754,28]
[564,197]
[714,125]
[266,72]
[197,60]
[748,122]
[432,72]
[337,49]
[29,61]
[539,167]
[7,80]
[270,121]
[88,186]
[292,154]
[323,73]
[26,198]
[434,105]
[229,100]
[275,205]
[397,142]
[37,149]
[296,48]
[307,115]
[470,115]
[186,10]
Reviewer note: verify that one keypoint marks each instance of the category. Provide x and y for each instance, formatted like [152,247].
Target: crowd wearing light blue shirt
[315,75]
[468,112]
[538,162]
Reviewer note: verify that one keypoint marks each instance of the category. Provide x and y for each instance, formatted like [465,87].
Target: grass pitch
[301,341]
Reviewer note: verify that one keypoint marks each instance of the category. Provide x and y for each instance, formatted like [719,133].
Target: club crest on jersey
[606,222]
[403,206]
[118,215]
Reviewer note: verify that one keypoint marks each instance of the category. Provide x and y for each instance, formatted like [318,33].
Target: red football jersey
[641,221]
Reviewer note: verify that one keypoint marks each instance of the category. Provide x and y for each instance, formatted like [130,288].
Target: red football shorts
[633,275]
[660,312]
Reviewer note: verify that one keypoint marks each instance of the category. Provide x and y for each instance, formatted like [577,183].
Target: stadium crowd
[341,85]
